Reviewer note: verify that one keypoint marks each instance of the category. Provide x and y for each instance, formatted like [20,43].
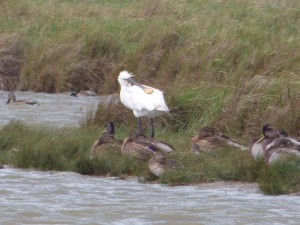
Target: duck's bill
[261,139]
[147,90]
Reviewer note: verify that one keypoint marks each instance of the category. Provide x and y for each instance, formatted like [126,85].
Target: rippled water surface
[53,109]
[32,197]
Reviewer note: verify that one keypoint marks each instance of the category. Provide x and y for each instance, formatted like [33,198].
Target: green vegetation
[44,148]
[229,64]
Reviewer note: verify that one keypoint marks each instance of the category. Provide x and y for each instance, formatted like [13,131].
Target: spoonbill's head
[125,79]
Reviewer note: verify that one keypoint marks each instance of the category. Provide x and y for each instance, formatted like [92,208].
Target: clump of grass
[42,147]
[281,178]
[198,106]
[11,60]
[111,163]
[227,164]
[112,110]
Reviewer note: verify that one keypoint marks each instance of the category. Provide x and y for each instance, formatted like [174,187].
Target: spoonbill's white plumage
[141,99]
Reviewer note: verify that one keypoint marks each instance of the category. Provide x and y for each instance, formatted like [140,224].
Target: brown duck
[107,141]
[159,164]
[142,148]
[207,139]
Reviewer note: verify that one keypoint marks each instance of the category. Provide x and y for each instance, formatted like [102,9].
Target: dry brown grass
[11,60]
[233,64]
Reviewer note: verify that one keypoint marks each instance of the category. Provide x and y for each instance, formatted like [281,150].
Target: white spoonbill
[141,99]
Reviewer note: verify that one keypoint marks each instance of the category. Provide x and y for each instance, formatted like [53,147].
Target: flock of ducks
[275,144]
[149,102]
[146,101]
[139,147]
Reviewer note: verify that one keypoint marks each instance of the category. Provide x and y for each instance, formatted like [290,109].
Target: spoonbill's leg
[141,131]
[152,127]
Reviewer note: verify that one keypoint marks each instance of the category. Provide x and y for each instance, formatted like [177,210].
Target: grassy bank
[233,64]
[229,64]
[44,148]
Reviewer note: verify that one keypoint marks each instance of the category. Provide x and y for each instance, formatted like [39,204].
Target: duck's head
[270,132]
[110,129]
[73,94]
[204,133]
[108,135]
[11,97]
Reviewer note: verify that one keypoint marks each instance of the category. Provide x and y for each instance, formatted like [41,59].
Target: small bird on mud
[12,100]
[107,141]
[141,99]
[207,139]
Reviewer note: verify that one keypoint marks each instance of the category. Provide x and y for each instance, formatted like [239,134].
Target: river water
[53,109]
[34,197]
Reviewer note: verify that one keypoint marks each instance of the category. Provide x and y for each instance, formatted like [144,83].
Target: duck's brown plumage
[107,141]
[207,139]
[159,164]
[279,149]
[12,100]
[142,148]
